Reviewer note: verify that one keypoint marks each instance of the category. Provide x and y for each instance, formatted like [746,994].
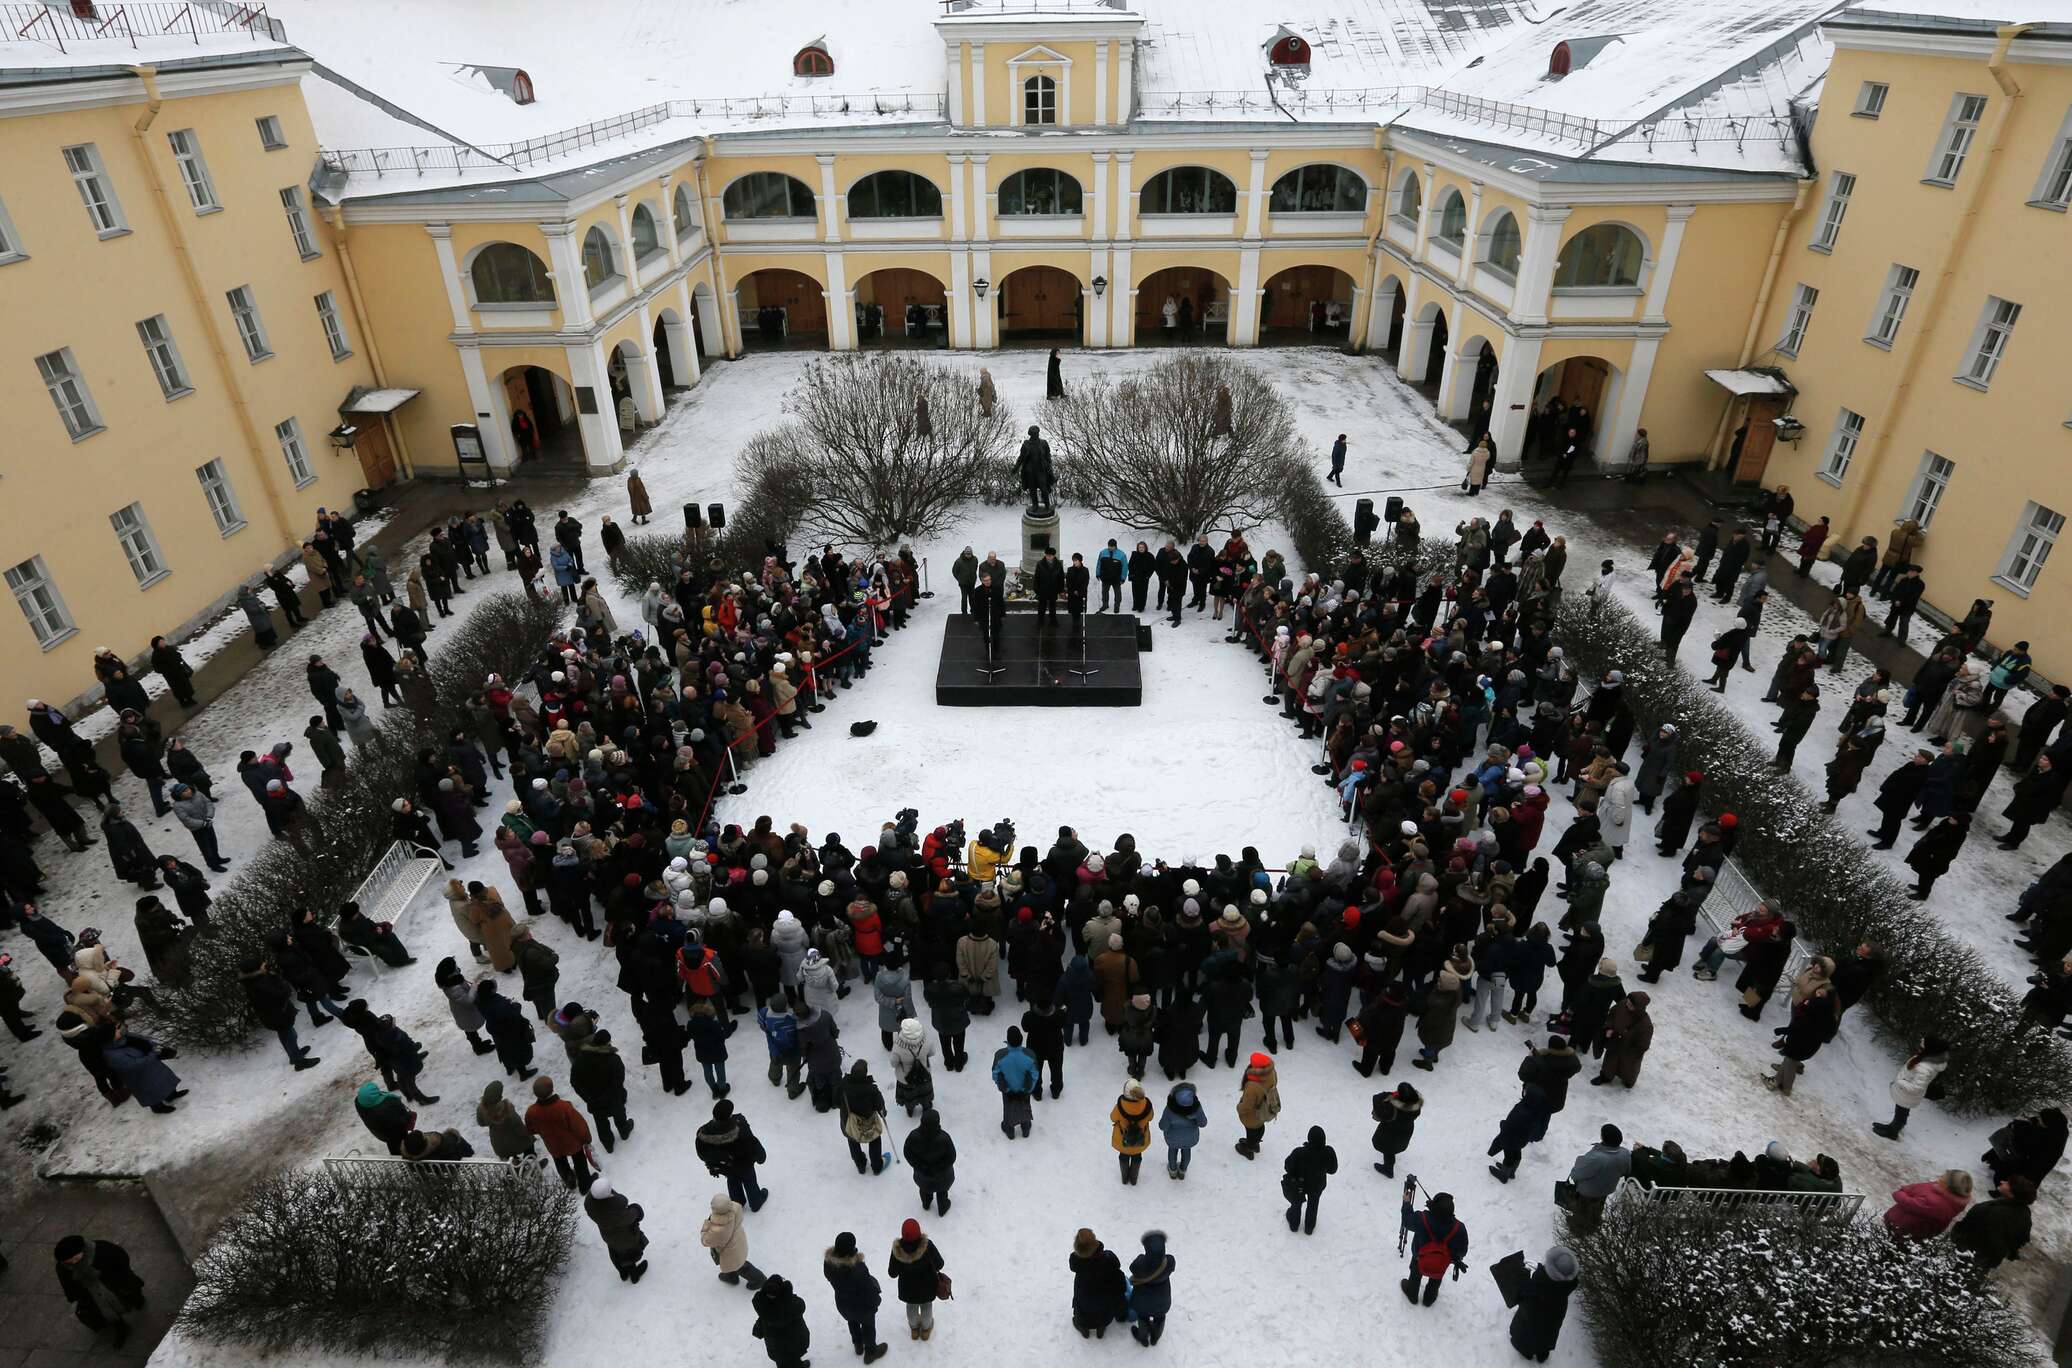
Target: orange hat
[1261,1061]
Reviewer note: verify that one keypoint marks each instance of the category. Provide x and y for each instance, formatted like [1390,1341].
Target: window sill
[895,218]
[1863,114]
[262,356]
[1878,342]
[2054,206]
[514,306]
[235,528]
[773,218]
[206,211]
[96,430]
[1981,386]
[2012,586]
[1791,353]
[309,256]
[9,258]
[345,355]
[1824,248]
[273,147]
[108,233]
[149,581]
[179,394]
[606,285]
[1629,291]
[304,484]
[1508,277]
[1823,476]
[60,639]
[1938,183]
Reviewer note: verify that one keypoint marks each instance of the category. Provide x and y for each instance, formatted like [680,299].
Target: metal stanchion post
[737,786]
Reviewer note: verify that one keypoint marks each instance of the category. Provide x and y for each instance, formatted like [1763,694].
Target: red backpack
[1435,1255]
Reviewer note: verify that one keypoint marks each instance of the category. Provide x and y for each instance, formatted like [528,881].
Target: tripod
[1084,671]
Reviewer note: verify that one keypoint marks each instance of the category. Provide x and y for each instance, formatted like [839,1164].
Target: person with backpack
[1131,1119]
[863,1118]
[1438,1241]
[1308,1168]
[1014,1074]
[1181,1124]
[1258,1103]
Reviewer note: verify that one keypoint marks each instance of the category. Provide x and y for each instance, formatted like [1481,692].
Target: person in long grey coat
[818,983]
[894,992]
[353,713]
[788,939]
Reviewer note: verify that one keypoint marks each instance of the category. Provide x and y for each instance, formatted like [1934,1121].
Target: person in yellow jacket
[1131,1119]
[985,858]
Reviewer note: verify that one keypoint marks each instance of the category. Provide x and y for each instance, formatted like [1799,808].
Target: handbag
[942,1287]
[1358,1032]
[1643,952]
[1565,1194]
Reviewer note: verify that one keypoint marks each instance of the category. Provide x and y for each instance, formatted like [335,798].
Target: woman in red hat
[917,1268]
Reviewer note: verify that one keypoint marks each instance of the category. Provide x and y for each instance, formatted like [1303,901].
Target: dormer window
[813,60]
[1559,62]
[1291,51]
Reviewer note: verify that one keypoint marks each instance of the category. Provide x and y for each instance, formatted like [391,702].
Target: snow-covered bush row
[1765,1289]
[429,1271]
[347,826]
[1825,880]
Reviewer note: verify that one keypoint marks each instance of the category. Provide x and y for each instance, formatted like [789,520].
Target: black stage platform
[1035,669]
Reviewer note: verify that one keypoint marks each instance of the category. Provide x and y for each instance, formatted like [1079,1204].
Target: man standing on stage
[1049,577]
[1111,567]
[989,607]
[1075,591]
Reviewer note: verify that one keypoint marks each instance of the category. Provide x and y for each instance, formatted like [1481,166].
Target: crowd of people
[1447,718]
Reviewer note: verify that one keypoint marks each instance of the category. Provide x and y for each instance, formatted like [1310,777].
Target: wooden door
[377,459]
[798,295]
[1041,299]
[1290,294]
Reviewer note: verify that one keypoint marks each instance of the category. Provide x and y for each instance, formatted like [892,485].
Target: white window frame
[36,594]
[164,354]
[214,478]
[2054,186]
[67,387]
[1870,99]
[1959,129]
[194,171]
[1039,100]
[96,191]
[272,137]
[334,326]
[298,223]
[1931,482]
[1839,188]
[11,248]
[1803,299]
[2028,550]
[1841,445]
[251,328]
[1900,283]
[288,432]
[139,544]
[1989,341]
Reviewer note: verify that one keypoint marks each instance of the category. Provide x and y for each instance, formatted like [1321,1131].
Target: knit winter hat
[1560,1263]
[845,1245]
[910,1229]
[600,1187]
[720,1203]
[910,1031]
[1231,916]
[1132,1089]
[1261,1061]
[1608,967]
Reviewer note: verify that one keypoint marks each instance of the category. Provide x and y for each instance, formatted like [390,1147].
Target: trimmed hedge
[1827,882]
[1660,1286]
[461,1274]
[349,823]
[1322,537]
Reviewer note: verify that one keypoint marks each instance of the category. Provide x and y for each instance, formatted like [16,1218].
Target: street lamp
[1100,286]
[980,285]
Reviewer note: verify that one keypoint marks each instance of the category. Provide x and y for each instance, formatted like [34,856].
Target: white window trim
[37,578]
[12,248]
[1946,144]
[1975,350]
[178,363]
[333,324]
[1040,57]
[1911,509]
[96,173]
[146,545]
[1797,323]
[1893,301]
[86,399]
[615,252]
[1835,208]
[1829,471]
[275,141]
[295,452]
[2046,539]
[223,506]
[2059,162]
[194,171]
[297,214]
[1865,108]
[256,345]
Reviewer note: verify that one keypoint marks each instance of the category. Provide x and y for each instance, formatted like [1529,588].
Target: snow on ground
[1150,771]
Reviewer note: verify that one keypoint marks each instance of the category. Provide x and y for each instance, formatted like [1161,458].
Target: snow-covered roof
[47,41]
[1972,11]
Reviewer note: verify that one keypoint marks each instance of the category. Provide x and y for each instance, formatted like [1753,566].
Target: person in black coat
[1076,579]
[1550,1070]
[932,1155]
[127,851]
[1395,1122]
[1099,1290]
[1543,1306]
[1048,580]
[1151,1289]
[596,1073]
[1731,560]
[1994,1231]
[273,1002]
[2027,1147]
[1308,1169]
[511,1035]
[96,1277]
[780,1323]
[1143,565]
[174,669]
[916,1269]
[857,1295]
[1896,797]
[323,686]
[728,1148]
[1936,851]
[316,941]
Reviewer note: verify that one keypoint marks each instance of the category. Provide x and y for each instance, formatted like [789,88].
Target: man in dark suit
[1050,578]
[989,607]
[1076,579]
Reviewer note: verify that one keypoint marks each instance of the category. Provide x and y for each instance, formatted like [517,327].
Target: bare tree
[861,460]
[1149,451]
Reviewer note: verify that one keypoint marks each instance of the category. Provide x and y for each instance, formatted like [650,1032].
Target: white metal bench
[391,887]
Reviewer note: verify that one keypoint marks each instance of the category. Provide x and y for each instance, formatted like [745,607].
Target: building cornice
[105,92]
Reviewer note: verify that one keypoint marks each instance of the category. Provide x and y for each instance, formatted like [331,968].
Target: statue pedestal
[1039,531]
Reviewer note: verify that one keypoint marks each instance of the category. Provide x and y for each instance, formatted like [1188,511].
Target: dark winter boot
[1431,1292]
[1409,1291]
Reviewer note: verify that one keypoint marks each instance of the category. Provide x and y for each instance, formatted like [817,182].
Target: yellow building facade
[1920,310]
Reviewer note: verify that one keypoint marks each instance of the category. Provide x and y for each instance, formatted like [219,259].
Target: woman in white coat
[1910,1087]
[1615,809]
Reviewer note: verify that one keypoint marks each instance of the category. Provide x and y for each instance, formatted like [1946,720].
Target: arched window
[1453,220]
[767,195]
[1502,252]
[600,262]
[894,194]
[812,60]
[1290,51]
[1410,198]
[1040,190]
[686,217]
[647,234]
[1604,255]
[1322,189]
[1039,100]
[1188,190]
[505,273]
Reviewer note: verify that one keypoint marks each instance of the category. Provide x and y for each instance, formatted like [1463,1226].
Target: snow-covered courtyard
[1202,767]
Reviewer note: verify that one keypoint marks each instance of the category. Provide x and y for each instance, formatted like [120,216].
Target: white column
[1094,307]
[1255,196]
[1536,258]
[1383,313]
[956,64]
[1425,210]
[961,301]
[1665,263]
[1633,396]
[602,452]
[492,409]
[449,272]
[565,262]
[830,226]
[632,267]
[1511,406]
[1125,195]
[1122,300]
[1413,358]
[1450,369]
[981,198]
[985,318]
[1244,309]
[683,349]
[958,232]
[1100,192]
[1470,246]
[978,85]
[669,241]
[841,308]
[1101,83]
[1125,80]
[711,322]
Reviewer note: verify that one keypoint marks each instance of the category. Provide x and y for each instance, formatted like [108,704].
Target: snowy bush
[348,824]
[1198,441]
[311,1262]
[1766,1290]
[1322,536]
[1827,882]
